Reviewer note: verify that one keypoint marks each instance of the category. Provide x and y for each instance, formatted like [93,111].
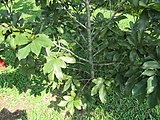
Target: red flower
[2,65]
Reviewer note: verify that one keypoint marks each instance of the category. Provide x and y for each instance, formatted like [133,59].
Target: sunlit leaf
[70,107]
[35,48]
[21,39]
[67,85]
[151,65]
[48,67]
[58,72]
[102,94]
[51,75]
[43,40]
[23,52]
[63,103]
[68,98]
[78,104]
[151,84]
[68,59]
[95,90]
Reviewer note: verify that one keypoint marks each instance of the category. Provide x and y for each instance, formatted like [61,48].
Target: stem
[90,47]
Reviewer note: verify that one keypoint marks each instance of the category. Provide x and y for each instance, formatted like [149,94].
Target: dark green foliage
[125,60]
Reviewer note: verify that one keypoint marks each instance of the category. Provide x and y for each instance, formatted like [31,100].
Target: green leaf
[68,59]
[151,65]
[149,72]
[102,94]
[76,82]
[63,103]
[98,81]
[151,84]
[139,88]
[73,94]
[64,42]
[60,30]
[144,20]
[68,98]
[78,104]
[70,107]
[67,85]
[142,4]
[48,67]
[58,72]
[23,52]
[95,89]
[35,48]
[54,85]
[43,40]
[51,75]
[21,39]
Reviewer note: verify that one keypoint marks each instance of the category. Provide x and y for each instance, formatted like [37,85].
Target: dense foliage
[81,54]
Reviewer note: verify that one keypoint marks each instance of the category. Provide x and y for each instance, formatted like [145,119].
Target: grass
[13,97]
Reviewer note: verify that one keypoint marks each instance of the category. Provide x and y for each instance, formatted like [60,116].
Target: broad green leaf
[68,98]
[73,94]
[60,63]
[68,59]
[35,48]
[60,30]
[64,42]
[48,67]
[67,85]
[23,52]
[149,72]
[70,107]
[151,65]
[98,81]
[142,4]
[54,85]
[63,103]
[11,41]
[151,84]
[144,20]
[21,39]
[95,89]
[51,75]
[43,40]
[58,72]
[139,88]
[102,94]
[78,104]
[76,82]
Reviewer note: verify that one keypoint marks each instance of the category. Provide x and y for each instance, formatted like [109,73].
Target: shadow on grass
[21,82]
[5,114]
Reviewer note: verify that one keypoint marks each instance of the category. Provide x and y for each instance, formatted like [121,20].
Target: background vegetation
[81,53]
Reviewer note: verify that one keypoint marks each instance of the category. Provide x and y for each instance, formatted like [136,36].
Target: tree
[106,55]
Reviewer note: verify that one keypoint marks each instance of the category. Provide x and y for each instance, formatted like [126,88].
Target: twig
[73,17]
[80,58]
